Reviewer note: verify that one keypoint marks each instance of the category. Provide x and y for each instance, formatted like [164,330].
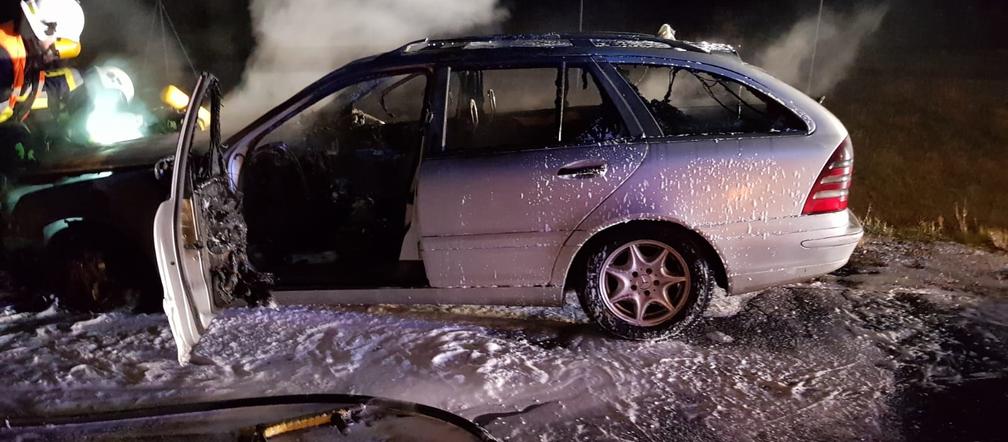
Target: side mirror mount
[164,167]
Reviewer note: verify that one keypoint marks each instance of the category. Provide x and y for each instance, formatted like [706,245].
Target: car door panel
[200,235]
[492,218]
[501,219]
[182,261]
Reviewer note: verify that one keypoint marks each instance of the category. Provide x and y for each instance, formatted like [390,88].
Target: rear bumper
[787,250]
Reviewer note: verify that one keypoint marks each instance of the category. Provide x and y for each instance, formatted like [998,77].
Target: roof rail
[590,39]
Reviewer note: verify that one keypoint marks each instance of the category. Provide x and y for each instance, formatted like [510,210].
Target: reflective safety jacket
[59,84]
[15,86]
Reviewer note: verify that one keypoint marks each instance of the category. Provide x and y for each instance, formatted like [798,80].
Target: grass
[962,231]
[931,146]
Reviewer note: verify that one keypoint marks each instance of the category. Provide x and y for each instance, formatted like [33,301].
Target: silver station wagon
[636,172]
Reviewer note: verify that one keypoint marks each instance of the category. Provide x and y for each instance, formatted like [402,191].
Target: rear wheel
[646,286]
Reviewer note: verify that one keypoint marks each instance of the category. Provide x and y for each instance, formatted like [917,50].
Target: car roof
[516,46]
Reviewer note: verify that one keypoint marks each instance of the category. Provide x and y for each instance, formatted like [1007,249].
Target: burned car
[636,172]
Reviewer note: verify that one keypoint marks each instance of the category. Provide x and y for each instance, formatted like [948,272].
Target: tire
[606,301]
[87,273]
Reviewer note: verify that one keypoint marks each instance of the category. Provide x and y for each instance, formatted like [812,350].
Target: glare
[107,124]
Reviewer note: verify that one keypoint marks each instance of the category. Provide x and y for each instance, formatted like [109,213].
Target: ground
[908,342]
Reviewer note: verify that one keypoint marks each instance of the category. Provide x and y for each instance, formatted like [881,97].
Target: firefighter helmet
[116,79]
[54,20]
[666,32]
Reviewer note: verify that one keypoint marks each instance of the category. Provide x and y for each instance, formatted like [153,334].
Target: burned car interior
[690,102]
[329,188]
[520,108]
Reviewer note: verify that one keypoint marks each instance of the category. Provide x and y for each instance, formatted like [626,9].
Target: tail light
[832,187]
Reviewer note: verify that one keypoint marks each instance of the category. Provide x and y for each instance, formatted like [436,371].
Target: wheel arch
[601,235]
[40,215]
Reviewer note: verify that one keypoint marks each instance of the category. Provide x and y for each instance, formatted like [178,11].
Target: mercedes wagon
[634,172]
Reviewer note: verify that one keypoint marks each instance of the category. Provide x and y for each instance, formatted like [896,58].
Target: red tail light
[832,187]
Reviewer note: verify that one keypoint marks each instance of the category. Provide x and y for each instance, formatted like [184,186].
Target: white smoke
[139,41]
[841,37]
[297,42]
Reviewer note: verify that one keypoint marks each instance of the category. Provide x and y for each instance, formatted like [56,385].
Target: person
[40,33]
[60,113]
[50,120]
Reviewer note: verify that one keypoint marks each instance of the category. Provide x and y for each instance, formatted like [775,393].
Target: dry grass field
[931,142]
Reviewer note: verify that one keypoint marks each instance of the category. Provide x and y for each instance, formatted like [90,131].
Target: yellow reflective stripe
[72,80]
[41,102]
[6,114]
[69,75]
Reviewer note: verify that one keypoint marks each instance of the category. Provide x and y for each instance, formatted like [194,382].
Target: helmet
[53,20]
[666,32]
[113,78]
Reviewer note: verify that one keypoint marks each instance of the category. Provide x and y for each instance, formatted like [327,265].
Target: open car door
[199,233]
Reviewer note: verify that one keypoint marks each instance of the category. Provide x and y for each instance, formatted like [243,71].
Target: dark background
[919,28]
[926,101]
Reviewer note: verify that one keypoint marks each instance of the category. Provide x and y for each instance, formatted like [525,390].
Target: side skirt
[515,296]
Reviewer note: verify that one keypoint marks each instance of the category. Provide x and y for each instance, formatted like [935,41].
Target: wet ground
[908,342]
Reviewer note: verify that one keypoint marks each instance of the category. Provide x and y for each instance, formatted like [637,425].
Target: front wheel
[91,272]
[649,286]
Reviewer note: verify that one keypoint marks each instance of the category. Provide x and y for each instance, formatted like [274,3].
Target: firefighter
[51,115]
[60,85]
[61,110]
[41,33]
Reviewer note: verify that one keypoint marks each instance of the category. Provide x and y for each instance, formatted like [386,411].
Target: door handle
[583,170]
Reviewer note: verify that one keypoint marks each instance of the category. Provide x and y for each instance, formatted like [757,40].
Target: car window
[513,109]
[333,181]
[588,116]
[382,113]
[687,101]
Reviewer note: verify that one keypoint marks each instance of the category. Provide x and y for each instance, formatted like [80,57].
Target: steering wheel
[360,118]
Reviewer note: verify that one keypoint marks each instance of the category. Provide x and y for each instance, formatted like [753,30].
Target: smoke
[841,37]
[129,33]
[297,42]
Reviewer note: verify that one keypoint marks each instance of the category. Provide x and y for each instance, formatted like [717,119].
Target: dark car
[77,223]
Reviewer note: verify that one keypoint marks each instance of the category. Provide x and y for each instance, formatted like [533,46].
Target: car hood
[74,160]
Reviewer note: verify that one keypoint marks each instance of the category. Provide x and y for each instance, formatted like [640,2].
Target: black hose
[227,404]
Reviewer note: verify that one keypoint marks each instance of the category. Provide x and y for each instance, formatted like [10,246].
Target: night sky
[927,94]
[916,27]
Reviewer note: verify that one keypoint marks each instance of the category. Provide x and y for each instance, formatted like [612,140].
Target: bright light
[108,125]
[175,98]
[178,100]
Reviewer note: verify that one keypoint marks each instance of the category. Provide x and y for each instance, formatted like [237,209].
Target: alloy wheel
[645,283]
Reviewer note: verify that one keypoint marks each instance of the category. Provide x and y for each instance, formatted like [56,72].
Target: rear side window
[527,108]
[692,102]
